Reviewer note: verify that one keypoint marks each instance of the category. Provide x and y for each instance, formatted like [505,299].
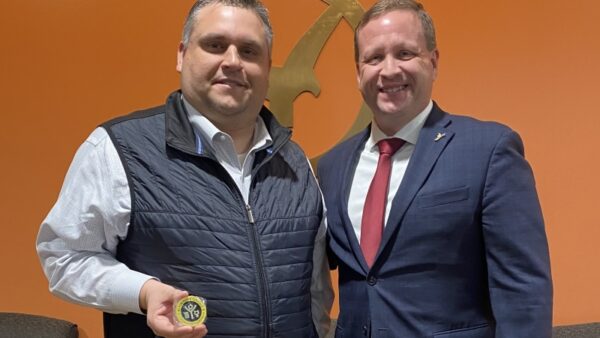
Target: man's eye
[214,46]
[406,55]
[374,59]
[249,51]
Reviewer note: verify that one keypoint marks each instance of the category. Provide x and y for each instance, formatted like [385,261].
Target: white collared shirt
[367,164]
[77,241]
[239,166]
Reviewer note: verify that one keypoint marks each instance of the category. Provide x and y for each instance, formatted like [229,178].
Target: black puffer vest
[191,228]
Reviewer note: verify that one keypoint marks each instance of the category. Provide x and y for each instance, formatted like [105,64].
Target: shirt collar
[206,131]
[409,133]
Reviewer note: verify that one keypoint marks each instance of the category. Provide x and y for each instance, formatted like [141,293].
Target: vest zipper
[250,215]
[255,242]
[261,274]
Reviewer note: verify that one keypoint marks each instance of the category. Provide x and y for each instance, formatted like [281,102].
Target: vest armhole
[108,127]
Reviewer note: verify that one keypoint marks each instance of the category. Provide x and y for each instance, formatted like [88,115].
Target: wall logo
[297,74]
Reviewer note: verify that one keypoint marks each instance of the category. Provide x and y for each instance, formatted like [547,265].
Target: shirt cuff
[125,291]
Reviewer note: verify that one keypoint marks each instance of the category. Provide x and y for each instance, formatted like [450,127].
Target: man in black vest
[204,195]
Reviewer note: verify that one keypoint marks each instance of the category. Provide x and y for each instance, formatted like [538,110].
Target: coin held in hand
[190,311]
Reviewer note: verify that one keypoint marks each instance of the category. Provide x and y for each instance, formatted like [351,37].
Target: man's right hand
[157,300]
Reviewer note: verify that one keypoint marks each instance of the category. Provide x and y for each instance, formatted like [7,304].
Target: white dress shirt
[77,241]
[367,165]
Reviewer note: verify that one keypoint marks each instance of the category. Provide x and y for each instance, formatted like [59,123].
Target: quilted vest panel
[190,228]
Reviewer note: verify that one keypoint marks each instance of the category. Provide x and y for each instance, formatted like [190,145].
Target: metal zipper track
[255,242]
[263,289]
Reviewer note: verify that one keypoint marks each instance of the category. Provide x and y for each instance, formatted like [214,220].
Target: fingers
[179,294]
[197,332]
[186,332]
[160,299]
[162,324]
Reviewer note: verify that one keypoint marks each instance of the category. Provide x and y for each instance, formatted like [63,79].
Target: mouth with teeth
[392,89]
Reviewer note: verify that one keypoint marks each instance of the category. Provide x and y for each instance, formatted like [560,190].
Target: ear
[357,74]
[180,53]
[435,58]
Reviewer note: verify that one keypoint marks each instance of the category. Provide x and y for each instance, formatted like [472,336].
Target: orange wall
[66,66]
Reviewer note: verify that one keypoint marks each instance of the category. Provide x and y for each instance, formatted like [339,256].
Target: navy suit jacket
[464,251]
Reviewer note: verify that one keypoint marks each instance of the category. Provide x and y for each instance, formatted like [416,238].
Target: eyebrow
[221,37]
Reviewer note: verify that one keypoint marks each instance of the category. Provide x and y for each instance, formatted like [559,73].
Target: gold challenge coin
[191,311]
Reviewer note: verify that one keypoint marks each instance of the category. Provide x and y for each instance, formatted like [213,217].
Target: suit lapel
[432,140]
[348,175]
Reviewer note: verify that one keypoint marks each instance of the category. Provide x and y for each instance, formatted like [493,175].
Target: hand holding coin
[190,311]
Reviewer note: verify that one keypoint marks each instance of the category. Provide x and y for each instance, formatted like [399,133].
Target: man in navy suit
[460,249]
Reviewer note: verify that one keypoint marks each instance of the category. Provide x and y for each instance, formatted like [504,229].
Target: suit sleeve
[520,283]
[332,262]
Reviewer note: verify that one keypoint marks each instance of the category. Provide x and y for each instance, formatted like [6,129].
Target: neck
[390,126]
[242,139]
[241,133]
[240,126]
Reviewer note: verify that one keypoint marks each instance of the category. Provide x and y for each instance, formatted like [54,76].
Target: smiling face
[395,69]
[225,66]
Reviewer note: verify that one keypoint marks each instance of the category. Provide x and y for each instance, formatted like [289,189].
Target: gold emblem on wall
[297,74]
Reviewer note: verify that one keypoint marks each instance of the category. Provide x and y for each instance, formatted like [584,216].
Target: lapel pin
[439,136]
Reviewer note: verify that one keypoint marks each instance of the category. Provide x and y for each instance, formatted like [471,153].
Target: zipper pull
[250,215]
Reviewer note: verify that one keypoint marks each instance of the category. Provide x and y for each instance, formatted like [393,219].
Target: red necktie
[374,210]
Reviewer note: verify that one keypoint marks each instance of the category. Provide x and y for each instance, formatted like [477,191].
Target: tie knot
[390,146]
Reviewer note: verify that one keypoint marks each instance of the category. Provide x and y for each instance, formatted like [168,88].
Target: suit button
[372,280]
[365,330]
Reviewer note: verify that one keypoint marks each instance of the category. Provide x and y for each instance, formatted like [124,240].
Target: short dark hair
[382,7]
[254,5]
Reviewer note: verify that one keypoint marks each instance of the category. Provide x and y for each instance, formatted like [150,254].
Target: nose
[231,58]
[390,67]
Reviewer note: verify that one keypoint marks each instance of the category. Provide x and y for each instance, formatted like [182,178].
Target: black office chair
[19,325]
[587,330]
